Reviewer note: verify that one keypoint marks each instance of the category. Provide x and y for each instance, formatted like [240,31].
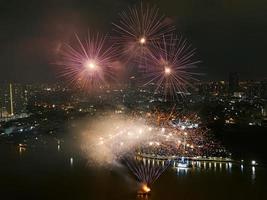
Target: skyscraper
[6,106]
[233,82]
[13,99]
[263,89]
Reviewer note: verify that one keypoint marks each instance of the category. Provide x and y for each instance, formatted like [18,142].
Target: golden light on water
[145,188]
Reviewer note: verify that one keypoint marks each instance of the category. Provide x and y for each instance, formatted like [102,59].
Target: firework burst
[170,66]
[138,28]
[146,172]
[87,63]
[108,139]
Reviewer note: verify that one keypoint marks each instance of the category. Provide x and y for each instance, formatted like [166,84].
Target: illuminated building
[6,97]
[13,99]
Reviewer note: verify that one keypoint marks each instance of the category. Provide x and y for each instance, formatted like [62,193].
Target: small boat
[22,145]
[183,163]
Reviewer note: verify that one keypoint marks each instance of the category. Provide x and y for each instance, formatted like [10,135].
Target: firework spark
[138,28]
[88,63]
[110,138]
[170,66]
[146,172]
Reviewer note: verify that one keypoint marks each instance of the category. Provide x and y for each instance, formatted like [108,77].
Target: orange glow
[145,188]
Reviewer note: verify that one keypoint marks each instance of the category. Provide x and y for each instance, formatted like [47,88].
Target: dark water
[49,173]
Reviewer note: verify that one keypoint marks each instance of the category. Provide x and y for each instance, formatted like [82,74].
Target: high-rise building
[13,99]
[6,103]
[263,89]
[20,98]
[251,88]
[233,82]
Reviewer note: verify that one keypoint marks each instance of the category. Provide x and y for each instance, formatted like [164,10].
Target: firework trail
[87,63]
[146,172]
[170,66]
[137,29]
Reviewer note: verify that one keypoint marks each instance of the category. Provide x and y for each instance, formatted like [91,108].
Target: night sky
[230,35]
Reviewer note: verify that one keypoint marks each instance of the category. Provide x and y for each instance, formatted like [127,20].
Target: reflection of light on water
[211,166]
[181,171]
[253,176]
[58,145]
[21,150]
[230,167]
[71,161]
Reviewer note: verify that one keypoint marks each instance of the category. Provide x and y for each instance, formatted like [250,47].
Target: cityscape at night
[129,99]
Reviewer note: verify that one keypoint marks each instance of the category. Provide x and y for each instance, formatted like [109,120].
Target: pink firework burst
[138,28]
[170,66]
[88,62]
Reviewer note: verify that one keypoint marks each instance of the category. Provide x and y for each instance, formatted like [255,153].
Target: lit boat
[183,165]
[22,145]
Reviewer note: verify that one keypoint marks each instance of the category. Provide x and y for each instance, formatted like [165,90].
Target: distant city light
[253,162]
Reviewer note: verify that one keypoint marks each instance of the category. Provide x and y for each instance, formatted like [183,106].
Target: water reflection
[71,161]
[182,168]
[253,175]
[58,145]
[230,167]
[22,148]
[220,174]
[182,171]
